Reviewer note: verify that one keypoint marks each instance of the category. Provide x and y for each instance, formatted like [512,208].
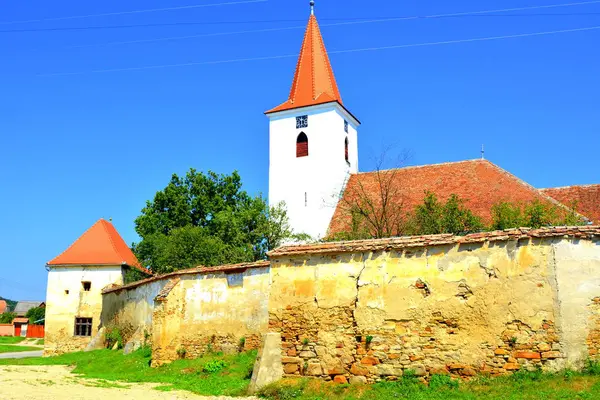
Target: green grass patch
[14,349]
[523,386]
[210,375]
[11,339]
[40,342]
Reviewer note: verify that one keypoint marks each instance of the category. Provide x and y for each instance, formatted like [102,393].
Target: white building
[313,141]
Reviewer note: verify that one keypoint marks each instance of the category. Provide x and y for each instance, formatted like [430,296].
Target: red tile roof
[479,183]
[585,197]
[99,245]
[313,82]
[397,243]
[3,306]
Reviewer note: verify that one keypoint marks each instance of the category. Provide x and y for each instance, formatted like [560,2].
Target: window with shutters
[83,326]
[346,149]
[302,145]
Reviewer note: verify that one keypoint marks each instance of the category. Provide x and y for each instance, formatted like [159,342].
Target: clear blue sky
[75,148]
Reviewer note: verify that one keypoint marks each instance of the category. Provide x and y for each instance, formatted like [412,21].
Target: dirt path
[57,383]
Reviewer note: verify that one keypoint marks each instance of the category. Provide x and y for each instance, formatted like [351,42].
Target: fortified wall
[191,312]
[368,310]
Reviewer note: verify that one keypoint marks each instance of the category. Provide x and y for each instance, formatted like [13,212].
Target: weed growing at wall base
[533,385]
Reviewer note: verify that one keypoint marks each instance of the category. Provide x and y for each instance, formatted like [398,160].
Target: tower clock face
[302,121]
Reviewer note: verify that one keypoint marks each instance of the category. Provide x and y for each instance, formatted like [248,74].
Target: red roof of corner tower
[99,245]
[314,82]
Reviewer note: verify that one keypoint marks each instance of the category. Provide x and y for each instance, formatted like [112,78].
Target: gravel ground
[57,383]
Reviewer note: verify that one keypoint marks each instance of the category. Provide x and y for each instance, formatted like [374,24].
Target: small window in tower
[83,326]
[302,145]
[86,286]
[302,122]
[67,291]
[346,150]
[345,126]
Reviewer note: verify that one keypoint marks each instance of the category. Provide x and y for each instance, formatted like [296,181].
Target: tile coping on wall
[190,271]
[582,232]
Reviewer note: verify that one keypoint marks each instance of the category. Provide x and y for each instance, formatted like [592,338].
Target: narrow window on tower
[302,145]
[346,150]
[302,122]
[305,199]
[345,126]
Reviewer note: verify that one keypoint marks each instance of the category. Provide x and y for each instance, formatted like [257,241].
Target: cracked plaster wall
[460,309]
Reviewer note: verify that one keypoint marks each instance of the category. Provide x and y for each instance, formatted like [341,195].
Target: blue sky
[78,147]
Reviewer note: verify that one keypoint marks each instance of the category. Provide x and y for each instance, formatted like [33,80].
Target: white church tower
[313,141]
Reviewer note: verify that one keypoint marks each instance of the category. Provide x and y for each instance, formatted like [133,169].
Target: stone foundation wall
[459,308]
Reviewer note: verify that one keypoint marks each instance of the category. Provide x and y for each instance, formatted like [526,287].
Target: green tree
[36,314]
[506,215]
[7,317]
[207,219]
[434,216]
[535,214]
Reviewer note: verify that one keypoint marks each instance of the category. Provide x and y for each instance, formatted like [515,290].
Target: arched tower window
[302,145]
[346,149]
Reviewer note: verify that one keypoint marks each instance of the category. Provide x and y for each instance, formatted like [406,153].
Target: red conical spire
[314,82]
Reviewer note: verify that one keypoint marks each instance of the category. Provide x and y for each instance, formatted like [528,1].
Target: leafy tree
[7,317]
[133,275]
[207,219]
[433,217]
[535,214]
[507,215]
[36,314]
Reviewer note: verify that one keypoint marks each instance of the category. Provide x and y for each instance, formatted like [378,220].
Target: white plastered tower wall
[311,186]
[66,299]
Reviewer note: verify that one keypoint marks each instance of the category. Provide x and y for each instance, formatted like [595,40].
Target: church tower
[312,141]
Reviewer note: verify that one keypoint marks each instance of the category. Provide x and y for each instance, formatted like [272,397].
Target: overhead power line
[148,10]
[367,21]
[357,50]
[170,24]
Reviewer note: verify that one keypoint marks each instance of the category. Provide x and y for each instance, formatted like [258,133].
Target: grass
[40,342]
[11,339]
[231,375]
[15,349]
[521,386]
[113,366]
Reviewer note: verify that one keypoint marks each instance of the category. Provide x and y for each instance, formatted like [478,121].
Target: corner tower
[312,141]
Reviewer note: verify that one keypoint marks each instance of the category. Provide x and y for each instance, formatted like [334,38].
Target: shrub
[214,366]
[434,216]
[592,367]
[36,315]
[368,340]
[305,341]
[181,352]
[242,343]
[7,317]
[113,337]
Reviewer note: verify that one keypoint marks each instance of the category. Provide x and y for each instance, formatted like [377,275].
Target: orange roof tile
[314,82]
[3,306]
[99,245]
[405,242]
[480,183]
[585,197]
